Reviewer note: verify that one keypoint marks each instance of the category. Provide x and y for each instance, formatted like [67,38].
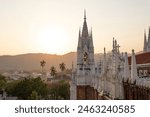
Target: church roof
[142,58]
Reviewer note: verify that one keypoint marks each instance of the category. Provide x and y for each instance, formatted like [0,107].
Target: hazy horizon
[38,53]
[42,53]
[52,26]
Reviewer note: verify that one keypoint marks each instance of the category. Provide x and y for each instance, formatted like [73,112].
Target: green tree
[42,64]
[60,90]
[25,89]
[54,91]
[62,67]
[2,82]
[10,88]
[34,96]
[53,71]
[64,90]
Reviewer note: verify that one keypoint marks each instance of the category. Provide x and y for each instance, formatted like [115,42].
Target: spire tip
[85,14]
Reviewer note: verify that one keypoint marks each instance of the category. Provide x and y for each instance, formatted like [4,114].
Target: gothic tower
[85,50]
[82,86]
[146,47]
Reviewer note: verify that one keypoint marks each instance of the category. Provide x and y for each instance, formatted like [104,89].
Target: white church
[117,76]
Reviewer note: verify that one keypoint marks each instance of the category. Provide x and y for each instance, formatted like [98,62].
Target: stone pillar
[133,68]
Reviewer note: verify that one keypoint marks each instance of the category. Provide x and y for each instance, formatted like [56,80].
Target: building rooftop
[142,58]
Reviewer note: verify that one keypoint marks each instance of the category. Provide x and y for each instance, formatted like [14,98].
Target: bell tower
[82,85]
[85,51]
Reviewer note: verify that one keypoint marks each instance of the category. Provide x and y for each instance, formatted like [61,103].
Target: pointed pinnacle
[84,14]
[104,50]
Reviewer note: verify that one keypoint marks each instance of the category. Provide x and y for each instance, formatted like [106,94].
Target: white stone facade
[84,74]
[114,68]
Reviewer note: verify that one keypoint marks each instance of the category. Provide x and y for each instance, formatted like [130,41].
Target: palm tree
[42,63]
[62,67]
[53,71]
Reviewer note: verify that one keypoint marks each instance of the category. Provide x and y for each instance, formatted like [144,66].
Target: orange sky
[51,26]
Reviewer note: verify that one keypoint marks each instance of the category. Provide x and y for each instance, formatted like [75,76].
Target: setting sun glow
[52,40]
[52,26]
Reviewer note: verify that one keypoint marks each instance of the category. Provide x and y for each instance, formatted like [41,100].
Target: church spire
[104,62]
[79,40]
[91,39]
[91,33]
[149,34]
[79,32]
[85,28]
[84,14]
[133,68]
[126,68]
[145,43]
[113,43]
[148,43]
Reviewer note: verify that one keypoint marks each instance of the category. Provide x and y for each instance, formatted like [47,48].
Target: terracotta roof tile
[141,58]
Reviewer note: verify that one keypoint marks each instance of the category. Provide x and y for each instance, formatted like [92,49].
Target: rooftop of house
[141,58]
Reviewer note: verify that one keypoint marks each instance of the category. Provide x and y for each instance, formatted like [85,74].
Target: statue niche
[85,58]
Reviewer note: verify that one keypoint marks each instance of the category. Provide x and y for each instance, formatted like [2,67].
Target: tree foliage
[42,63]
[53,71]
[35,89]
[28,89]
[60,90]
[2,82]
[62,66]
[34,96]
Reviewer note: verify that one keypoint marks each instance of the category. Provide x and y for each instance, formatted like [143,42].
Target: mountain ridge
[31,61]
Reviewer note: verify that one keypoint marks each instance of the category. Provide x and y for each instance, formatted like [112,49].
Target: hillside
[32,61]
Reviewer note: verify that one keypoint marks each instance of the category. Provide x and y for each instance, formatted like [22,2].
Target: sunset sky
[52,26]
